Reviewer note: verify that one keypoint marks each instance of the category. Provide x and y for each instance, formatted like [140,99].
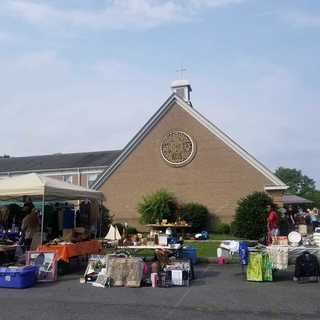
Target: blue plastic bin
[19,278]
[190,252]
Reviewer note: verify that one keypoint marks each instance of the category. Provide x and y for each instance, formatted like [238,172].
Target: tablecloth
[295,252]
[66,251]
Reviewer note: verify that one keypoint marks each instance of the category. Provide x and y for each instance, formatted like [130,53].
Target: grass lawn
[214,236]
[204,248]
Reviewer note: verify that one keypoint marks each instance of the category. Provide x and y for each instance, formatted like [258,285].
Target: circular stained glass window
[177,148]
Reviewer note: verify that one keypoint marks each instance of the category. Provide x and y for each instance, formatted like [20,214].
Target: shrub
[157,206]
[197,215]
[251,214]
[130,230]
[222,228]
[120,227]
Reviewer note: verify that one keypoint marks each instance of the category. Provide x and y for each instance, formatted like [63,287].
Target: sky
[82,75]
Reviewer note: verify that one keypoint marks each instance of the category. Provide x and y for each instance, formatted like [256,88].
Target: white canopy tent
[39,186]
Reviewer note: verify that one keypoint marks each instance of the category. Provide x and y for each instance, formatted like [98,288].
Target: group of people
[24,219]
[297,216]
[294,217]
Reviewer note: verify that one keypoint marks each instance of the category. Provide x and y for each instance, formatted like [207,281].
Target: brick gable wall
[217,177]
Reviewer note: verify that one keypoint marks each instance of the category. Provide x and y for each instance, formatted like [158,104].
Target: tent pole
[100,213]
[42,220]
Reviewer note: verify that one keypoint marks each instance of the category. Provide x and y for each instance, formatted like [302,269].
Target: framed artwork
[46,262]
[101,281]
[95,264]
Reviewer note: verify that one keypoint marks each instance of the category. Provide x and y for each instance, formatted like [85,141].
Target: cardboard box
[67,235]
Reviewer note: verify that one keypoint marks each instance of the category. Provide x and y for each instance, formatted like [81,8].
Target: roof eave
[274,188]
[135,140]
[278,184]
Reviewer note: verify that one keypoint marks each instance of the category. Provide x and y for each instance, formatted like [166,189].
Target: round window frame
[190,157]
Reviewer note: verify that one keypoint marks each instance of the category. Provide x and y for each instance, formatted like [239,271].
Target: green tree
[298,183]
[197,215]
[251,216]
[315,197]
[157,206]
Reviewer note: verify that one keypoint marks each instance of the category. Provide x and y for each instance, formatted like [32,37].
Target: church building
[181,151]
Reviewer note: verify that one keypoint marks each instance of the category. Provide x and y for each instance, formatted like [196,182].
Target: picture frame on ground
[95,264]
[46,262]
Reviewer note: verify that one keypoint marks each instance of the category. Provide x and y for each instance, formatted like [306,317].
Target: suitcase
[18,277]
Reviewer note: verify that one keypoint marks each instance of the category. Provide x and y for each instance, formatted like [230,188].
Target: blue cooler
[19,277]
[189,252]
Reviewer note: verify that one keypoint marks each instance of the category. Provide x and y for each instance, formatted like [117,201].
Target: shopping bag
[254,268]
[259,267]
[266,268]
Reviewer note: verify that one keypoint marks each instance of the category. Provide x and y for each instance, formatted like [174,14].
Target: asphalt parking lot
[219,292]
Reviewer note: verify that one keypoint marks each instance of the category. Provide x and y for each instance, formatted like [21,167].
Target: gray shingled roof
[293,199]
[59,161]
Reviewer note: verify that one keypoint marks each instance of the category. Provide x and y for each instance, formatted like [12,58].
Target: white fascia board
[45,171]
[274,188]
[64,173]
[56,172]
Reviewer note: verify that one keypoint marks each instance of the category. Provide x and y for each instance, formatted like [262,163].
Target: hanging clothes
[307,268]
[259,267]
[68,218]
[279,257]
[243,252]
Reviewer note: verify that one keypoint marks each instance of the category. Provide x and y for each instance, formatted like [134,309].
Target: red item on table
[68,250]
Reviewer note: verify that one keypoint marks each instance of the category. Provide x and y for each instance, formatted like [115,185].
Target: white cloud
[116,14]
[52,106]
[214,3]
[269,111]
[302,19]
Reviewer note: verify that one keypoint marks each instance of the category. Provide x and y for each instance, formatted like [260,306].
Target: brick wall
[217,177]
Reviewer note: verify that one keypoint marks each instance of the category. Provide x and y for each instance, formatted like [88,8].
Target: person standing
[272,224]
[291,215]
[314,218]
[30,226]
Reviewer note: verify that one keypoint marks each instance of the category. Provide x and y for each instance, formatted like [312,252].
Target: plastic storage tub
[19,277]
[189,252]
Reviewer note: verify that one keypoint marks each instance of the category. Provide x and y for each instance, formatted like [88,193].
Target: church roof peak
[275,182]
[182,88]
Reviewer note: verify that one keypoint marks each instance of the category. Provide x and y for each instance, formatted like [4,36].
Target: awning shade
[37,185]
[293,199]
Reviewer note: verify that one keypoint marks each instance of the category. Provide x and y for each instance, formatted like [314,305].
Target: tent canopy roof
[293,199]
[36,185]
